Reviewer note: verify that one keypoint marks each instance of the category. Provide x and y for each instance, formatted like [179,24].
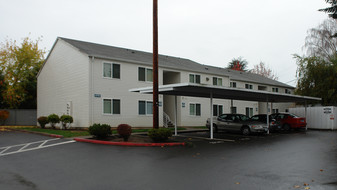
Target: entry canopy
[221,92]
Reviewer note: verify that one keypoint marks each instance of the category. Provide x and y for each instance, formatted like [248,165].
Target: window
[145,107]
[233,84]
[249,112]
[275,89]
[145,74]
[287,91]
[111,70]
[233,110]
[217,110]
[274,110]
[248,86]
[195,109]
[111,106]
[194,78]
[217,81]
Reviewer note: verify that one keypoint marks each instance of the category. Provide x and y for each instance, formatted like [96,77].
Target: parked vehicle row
[257,123]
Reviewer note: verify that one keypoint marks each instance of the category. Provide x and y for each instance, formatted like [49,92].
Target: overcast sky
[209,32]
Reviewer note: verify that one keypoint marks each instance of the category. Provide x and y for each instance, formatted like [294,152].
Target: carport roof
[205,91]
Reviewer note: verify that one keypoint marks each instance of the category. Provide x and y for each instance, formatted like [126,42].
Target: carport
[222,92]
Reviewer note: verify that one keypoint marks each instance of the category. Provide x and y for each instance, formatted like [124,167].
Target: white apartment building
[91,82]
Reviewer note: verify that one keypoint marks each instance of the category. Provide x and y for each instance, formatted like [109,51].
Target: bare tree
[263,70]
[320,42]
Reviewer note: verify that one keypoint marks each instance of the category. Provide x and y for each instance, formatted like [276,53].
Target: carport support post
[305,114]
[175,116]
[267,117]
[211,116]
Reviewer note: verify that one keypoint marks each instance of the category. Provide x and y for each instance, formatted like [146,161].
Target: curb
[129,143]
[35,132]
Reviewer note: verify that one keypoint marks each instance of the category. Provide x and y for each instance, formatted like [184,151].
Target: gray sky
[209,32]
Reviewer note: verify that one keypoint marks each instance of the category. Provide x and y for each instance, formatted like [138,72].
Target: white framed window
[248,86]
[111,106]
[217,81]
[217,110]
[194,78]
[195,109]
[249,112]
[274,89]
[111,70]
[274,110]
[233,110]
[145,107]
[145,74]
[287,91]
[233,84]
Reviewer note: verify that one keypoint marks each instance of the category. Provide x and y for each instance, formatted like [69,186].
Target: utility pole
[155,65]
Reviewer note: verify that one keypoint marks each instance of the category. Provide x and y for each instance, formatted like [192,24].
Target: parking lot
[298,160]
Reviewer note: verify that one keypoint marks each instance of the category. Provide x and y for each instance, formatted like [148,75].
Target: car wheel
[286,127]
[215,128]
[245,131]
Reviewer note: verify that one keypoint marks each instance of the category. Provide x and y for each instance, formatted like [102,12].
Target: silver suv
[237,123]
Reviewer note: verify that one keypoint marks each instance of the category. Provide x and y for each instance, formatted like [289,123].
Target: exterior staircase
[167,121]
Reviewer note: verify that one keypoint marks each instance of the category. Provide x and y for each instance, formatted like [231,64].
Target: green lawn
[64,133]
[76,133]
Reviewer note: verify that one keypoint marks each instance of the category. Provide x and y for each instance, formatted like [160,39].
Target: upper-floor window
[111,70]
[248,86]
[287,91]
[275,89]
[217,81]
[145,74]
[194,78]
[233,84]
[111,106]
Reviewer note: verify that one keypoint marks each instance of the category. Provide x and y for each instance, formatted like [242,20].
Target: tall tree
[317,77]
[263,70]
[238,64]
[332,10]
[20,64]
[319,41]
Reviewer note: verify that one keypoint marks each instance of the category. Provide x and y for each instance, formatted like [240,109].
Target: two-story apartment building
[91,82]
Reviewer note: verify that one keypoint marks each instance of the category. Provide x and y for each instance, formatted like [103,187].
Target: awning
[222,92]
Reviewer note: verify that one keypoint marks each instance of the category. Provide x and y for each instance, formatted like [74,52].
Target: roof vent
[132,52]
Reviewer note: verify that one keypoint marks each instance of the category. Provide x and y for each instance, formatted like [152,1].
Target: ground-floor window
[249,112]
[195,109]
[111,106]
[217,110]
[145,107]
[274,110]
[233,110]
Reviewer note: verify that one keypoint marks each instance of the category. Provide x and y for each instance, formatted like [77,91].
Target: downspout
[92,90]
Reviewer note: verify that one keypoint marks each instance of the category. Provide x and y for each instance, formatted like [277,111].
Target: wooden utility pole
[155,65]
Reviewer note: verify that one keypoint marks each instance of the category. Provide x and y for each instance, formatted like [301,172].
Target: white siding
[119,89]
[65,78]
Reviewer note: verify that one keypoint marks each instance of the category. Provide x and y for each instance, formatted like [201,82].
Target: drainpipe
[92,91]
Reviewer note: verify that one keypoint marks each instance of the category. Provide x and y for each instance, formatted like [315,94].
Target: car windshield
[244,118]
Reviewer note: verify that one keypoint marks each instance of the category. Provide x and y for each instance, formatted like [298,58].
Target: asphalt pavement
[299,160]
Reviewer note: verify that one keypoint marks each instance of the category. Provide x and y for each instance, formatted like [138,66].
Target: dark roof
[117,53]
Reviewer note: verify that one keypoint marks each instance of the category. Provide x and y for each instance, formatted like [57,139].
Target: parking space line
[205,138]
[6,150]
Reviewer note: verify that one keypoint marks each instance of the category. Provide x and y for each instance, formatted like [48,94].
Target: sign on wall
[69,108]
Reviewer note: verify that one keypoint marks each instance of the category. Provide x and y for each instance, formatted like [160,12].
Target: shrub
[124,130]
[160,135]
[53,119]
[42,121]
[4,114]
[66,121]
[100,131]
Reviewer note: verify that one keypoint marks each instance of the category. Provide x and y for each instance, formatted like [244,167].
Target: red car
[288,121]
